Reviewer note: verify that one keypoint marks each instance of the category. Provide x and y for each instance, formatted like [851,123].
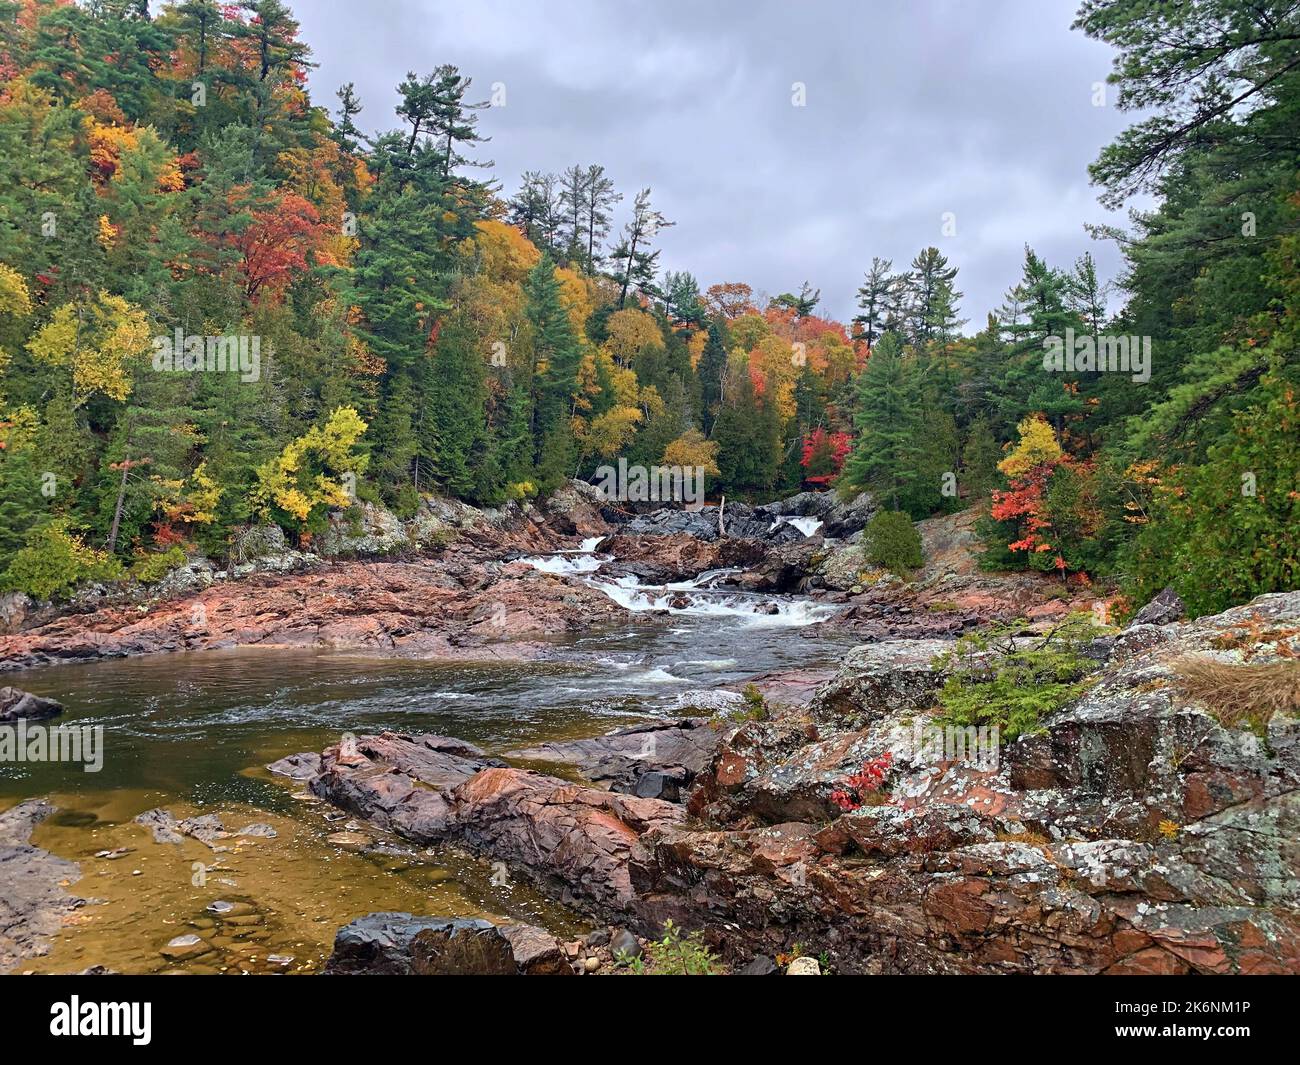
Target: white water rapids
[699,596]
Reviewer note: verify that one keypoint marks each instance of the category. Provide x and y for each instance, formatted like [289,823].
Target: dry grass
[1249,693]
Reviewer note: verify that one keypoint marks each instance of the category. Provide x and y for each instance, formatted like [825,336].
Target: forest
[224,304]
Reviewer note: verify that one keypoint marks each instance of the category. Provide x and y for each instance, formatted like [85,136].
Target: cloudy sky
[983,109]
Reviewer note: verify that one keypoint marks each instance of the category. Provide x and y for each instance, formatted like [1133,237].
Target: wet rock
[207,828]
[33,901]
[186,946]
[400,944]
[16,703]
[161,824]
[761,965]
[260,829]
[297,766]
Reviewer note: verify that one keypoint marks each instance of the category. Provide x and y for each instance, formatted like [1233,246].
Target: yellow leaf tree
[313,473]
[1037,445]
[100,340]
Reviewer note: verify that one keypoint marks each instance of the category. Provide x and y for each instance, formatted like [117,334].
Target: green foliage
[153,567]
[892,541]
[53,561]
[1226,530]
[675,954]
[999,679]
[753,707]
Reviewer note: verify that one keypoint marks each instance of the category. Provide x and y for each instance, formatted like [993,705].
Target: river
[192,732]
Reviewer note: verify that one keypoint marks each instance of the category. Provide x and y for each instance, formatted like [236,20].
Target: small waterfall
[807,526]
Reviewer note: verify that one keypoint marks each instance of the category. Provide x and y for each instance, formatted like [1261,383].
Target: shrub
[1247,693]
[53,562]
[893,542]
[151,568]
[675,955]
[996,681]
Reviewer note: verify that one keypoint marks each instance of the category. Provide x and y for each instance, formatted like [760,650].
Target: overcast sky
[983,109]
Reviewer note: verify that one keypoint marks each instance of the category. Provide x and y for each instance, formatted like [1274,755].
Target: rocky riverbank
[1138,832]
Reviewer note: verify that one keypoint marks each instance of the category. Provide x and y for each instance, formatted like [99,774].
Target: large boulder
[573,840]
[1164,609]
[399,944]
[880,680]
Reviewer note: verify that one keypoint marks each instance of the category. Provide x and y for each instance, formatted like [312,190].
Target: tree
[1197,70]
[98,339]
[887,415]
[345,130]
[638,265]
[556,357]
[801,304]
[311,475]
[878,299]
[600,200]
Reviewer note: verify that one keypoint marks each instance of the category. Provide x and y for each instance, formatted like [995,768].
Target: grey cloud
[982,109]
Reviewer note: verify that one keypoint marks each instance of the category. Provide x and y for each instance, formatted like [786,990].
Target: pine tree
[637,264]
[556,357]
[887,415]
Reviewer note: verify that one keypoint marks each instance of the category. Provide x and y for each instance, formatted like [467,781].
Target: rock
[761,965]
[33,900]
[623,944]
[881,679]
[464,608]
[14,609]
[186,946]
[655,761]
[842,568]
[207,828]
[1164,609]
[297,766]
[400,944]
[16,703]
[1133,833]
[260,829]
[803,967]
[161,824]
[574,840]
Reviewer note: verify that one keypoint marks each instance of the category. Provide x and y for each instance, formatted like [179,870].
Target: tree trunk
[117,508]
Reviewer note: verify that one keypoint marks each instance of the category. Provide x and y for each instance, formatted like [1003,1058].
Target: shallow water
[191,732]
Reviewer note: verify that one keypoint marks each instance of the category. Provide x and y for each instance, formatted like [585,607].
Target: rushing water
[192,732]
